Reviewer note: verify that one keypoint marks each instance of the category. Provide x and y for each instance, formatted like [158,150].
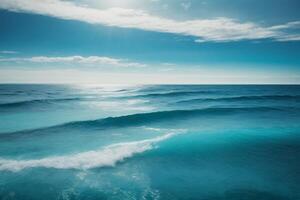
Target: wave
[172,94]
[36,101]
[146,118]
[106,157]
[143,119]
[244,98]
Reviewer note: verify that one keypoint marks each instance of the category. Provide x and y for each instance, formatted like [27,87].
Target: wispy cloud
[8,52]
[101,61]
[186,5]
[218,29]
[289,25]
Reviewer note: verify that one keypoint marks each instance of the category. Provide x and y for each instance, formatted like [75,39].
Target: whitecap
[105,157]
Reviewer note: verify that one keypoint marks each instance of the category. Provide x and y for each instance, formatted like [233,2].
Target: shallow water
[149,142]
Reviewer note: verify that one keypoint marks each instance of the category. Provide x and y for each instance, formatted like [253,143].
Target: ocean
[187,142]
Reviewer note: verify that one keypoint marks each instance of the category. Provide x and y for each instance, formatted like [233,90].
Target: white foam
[107,156]
[163,129]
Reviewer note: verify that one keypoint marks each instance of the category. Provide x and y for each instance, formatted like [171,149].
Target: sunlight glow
[117,3]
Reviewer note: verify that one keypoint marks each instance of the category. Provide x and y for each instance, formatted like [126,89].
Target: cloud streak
[8,52]
[218,29]
[103,61]
[186,5]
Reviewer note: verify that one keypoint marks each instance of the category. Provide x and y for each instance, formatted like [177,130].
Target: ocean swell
[170,94]
[244,98]
[153,117]
[141,119]
[34,102]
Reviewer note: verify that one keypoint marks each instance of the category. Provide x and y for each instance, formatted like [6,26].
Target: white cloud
[218,29]
[107,61]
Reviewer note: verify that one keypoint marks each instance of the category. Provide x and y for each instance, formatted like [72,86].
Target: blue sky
[150,41]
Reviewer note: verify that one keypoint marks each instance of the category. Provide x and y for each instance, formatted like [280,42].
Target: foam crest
[108,156]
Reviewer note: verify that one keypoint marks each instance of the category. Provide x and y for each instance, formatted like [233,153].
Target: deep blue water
[150,142]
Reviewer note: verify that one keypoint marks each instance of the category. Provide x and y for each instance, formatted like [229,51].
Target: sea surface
[187,142]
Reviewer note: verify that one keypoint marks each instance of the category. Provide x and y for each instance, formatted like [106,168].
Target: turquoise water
[149,142]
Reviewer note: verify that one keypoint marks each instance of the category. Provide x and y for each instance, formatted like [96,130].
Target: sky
[150,41]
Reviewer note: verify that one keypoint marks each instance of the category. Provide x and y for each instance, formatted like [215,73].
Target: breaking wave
[105,157]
